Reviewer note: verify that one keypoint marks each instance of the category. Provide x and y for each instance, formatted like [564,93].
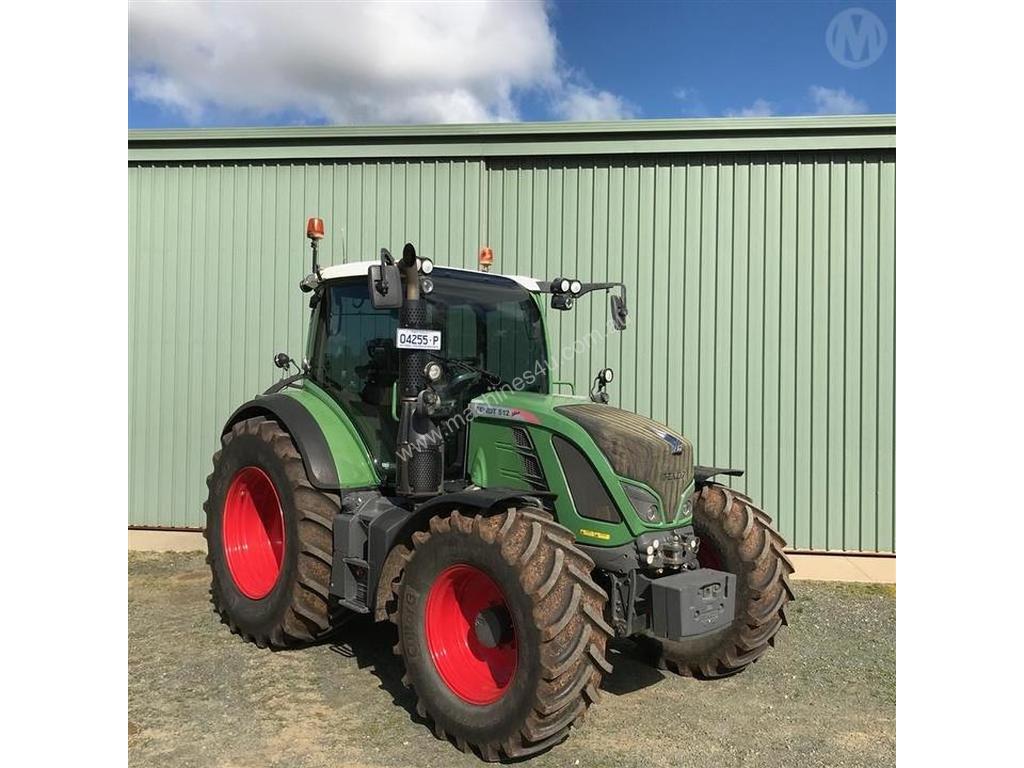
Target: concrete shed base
[823,566]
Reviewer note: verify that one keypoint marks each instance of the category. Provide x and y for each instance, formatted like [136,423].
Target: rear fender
[332,452]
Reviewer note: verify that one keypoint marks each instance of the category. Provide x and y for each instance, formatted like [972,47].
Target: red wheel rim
[477,666]
[253,532]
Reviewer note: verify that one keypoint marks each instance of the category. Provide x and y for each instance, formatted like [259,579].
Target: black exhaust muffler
[420,449]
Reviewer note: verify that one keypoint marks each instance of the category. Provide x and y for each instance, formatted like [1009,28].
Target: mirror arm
[587,288]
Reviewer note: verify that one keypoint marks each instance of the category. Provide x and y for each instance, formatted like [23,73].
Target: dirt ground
[199,696]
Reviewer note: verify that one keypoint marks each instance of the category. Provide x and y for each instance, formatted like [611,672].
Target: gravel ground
[199,696]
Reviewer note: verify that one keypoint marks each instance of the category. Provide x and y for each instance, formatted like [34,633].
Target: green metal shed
[759,257]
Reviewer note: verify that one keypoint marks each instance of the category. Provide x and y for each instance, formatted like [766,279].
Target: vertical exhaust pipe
[420,450]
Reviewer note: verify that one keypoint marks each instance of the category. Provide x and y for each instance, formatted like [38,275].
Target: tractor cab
[488,331]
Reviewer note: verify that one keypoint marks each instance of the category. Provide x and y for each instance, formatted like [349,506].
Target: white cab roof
[359,268]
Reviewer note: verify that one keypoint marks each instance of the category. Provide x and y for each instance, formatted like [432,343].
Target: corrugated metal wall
[215,256]
[761,290]
[762,295]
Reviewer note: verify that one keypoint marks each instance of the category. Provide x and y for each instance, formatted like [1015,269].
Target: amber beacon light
[486,259]
[315,228]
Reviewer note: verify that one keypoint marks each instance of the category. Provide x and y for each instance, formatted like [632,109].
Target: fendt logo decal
[503,412]
[675,444]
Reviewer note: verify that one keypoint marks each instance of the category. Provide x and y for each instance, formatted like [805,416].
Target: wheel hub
[252,532]
[493,626]
[470,634]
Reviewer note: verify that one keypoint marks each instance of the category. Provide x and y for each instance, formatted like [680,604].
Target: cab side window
[358,361]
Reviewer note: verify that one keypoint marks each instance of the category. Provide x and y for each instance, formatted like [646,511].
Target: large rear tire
[501,630]
[269,538]
[737,537]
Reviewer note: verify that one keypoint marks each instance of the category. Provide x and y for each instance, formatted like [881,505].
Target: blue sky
[248,64]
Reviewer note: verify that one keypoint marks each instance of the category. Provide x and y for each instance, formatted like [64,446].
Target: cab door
[356,362]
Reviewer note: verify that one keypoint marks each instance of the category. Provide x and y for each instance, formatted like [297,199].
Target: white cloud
[581,102]
[760,108]
[353,62]
[829,101]
[692,104]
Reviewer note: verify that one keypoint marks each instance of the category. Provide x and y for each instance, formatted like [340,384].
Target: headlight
[645,503]
[686,509]
[432,371]
[648,512]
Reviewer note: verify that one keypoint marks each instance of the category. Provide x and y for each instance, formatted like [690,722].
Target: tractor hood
[638,448]
[633,447]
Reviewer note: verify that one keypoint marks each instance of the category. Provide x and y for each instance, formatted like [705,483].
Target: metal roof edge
[514,139]
[505,130]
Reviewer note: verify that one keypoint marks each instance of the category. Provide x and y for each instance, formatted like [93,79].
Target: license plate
[412,338]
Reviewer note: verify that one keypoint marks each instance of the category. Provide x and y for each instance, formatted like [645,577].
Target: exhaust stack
[420,450]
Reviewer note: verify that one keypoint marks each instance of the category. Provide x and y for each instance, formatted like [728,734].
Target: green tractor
[419,467]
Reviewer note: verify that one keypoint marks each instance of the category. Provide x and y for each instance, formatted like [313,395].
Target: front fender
[332,451]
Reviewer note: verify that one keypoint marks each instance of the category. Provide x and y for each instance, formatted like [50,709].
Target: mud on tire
[554,606]
[296,609]
[736,536]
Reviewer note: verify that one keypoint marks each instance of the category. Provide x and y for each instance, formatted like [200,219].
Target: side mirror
[385,286]
[619,312]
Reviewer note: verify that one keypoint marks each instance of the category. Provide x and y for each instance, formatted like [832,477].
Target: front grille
[533,473]
[531,468]
[638,448]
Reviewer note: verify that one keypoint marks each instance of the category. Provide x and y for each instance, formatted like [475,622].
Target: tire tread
[309,614]
[568,609]
[757,621]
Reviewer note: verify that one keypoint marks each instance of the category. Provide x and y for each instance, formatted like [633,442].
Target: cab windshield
[487,322]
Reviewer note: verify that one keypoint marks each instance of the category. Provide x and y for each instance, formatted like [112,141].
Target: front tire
[501,630]
[737,537]
[269,538]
